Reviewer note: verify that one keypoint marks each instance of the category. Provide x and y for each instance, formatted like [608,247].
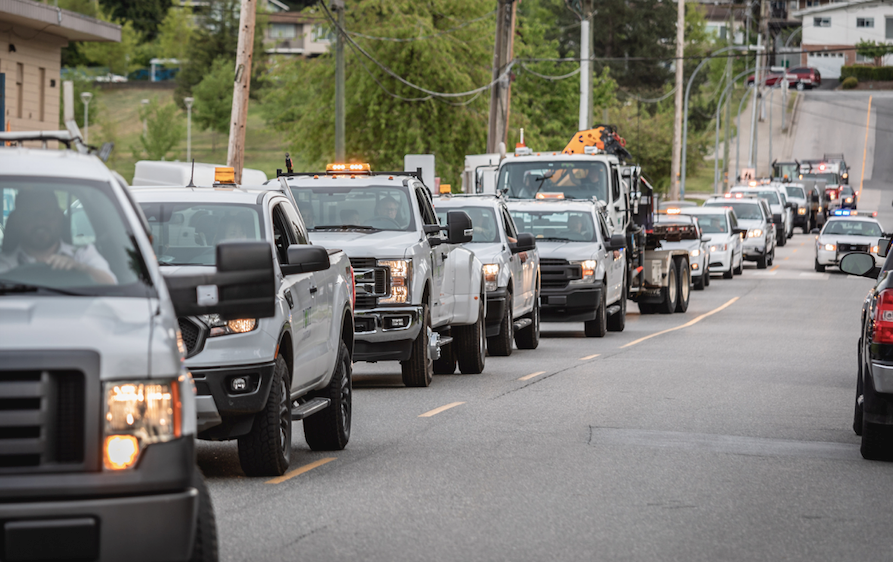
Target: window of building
[20,89]
[322,34]
[283,31]
[821,22]
[889,28]
[864,22]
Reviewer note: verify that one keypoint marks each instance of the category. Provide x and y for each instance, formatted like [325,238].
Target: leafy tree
[164,130]
[875,50]
[175,35]
[144,15]
[118,57]
[214,99]
[82,83]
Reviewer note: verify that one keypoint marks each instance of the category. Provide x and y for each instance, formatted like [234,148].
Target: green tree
[214,99]
[175,35]
[164,130]
[874,49]
[144,15]
[117,57]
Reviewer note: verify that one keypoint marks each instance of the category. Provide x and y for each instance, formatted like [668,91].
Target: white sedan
[845,233]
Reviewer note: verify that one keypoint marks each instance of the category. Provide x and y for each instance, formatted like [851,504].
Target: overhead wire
[424,37]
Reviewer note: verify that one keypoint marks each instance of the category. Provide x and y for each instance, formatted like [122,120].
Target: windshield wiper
[557,239]
[8,288]
[542,180]
[343,227]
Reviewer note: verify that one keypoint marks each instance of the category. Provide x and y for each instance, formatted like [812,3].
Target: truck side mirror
[242,287]
[789,205]
[859,263]
[459,229]
[739,230]
[303,258]
[525,243]
[776,218]
[617,242]
[883,247]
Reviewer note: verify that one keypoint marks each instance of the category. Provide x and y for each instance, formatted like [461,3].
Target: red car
[800,78]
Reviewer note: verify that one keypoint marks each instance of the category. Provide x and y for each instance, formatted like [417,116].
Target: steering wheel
[38,273]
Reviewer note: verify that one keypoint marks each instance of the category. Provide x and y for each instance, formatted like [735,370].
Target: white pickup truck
[418,291]
[511,272]
[254,377]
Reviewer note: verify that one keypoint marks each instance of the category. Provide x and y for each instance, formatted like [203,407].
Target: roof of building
[839,6]
[29,15]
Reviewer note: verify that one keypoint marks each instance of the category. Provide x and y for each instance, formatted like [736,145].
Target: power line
[553,78]
[424,37]
[690,57]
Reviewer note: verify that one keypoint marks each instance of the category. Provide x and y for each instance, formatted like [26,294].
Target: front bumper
[223,413]
[828,257]
[386,333]
[720,260]
[755,250]
[496,303]
[574,303]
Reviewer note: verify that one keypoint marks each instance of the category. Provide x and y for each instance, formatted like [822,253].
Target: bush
[849,83]
[863,72]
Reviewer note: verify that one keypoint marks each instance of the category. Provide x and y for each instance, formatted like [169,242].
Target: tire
[470,342]
[858,410]
[740,269]
[599,327]
[670,293]
[617,321]
[501,345]
[782,239]
[731,272]
[529,337]
[329,430]
[418,370]
[684,285]
[699,283]
[877,444]
[771,258]
[446,365]
[761,261]
[204,545]
[266,449]
[819,267]
[647,307]
[707,277]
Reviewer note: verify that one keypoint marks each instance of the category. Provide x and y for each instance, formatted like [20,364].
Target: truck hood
[383,244]
[680,245]
[571,251]
[118,328]
[487,253]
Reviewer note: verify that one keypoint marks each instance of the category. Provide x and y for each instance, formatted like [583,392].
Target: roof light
[446,188]
[821,166]
[352,168]
[674,211]
[752,183]
[224,175]
[550,195]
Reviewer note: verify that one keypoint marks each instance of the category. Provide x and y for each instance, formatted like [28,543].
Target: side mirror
[860,264]
[432,229]
[776,218]
[789,205]
[459,229]
[303,258]
[739,230]
[525,243]
[883,247]
[242,287]
[815,231]
[617,242]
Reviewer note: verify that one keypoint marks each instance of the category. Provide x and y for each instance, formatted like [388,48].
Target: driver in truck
[387,208]
[34,235]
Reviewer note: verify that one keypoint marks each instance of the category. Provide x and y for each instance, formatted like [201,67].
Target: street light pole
[340,144]
[86,97]
[188,102]
[145,117]
[730,85]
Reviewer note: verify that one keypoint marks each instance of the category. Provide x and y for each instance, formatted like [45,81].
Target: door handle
[313,289]
[444,256]
[289,299]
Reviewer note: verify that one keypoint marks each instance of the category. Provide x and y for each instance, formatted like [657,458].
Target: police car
[846,231]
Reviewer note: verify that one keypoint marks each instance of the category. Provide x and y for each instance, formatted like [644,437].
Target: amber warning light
[348,168]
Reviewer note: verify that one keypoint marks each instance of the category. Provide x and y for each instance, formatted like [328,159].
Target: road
[721,434]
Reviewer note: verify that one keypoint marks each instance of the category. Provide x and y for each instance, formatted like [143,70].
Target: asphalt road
[725,435]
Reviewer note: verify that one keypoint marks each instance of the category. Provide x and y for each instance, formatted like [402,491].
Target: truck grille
[372,282]
[193,336]
[41,418]
[556,274]
[853,247]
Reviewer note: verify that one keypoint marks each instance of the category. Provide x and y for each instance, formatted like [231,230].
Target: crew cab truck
[418,289]
[97,429]
[511,273]
[582,274]
[255,376]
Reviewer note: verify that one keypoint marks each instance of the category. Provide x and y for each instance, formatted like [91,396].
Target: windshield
[830,178]
[770,196]
[344,207]
[853,228]
[67,236]
[786,170]
[483,219]
[713,224]
[187,233]
[744,211]
[576,179]
[576,226]
[795,192]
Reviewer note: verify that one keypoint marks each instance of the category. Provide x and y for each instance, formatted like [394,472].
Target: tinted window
[575,179]
[795,191]
[557,225]
[713,224]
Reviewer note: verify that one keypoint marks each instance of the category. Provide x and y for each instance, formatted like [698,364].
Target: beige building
[32,35]
[293,33]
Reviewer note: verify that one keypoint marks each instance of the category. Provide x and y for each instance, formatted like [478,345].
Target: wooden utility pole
[585,121]
[235,154]
[500,92]
[730,35]
[340,144]
[677,121]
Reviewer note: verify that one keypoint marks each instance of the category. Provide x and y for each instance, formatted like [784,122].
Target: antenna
[192,174]
[289,167]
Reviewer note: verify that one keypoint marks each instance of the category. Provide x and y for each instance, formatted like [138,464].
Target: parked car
[805,77]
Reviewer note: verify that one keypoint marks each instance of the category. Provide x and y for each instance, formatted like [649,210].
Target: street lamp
[86,97]
[188,102]
[145,117]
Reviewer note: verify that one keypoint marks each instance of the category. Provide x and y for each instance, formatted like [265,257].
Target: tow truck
[595,165]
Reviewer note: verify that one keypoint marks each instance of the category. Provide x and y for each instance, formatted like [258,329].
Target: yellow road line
[795,251]
[299,471]
[686,325]
[436,411]
[588,357]
[532,375]
[865,145]
[774,268]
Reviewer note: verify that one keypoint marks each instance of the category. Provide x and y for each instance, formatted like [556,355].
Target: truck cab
[418,289]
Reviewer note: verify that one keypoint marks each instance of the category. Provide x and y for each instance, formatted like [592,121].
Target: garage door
[828,63]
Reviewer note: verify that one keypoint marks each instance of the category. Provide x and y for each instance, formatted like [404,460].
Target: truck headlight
[695,253]
[491,276]
[801,211]
[848,200]
[874,249]
[220,327]
[401,279]
[754,233]
[137,414]
[830,247]
[588,271]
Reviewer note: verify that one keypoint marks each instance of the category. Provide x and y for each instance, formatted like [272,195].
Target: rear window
[713,224]
[795,192]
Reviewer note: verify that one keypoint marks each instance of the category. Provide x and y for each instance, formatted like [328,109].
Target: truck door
[613,264]
[522,269]
[442,282]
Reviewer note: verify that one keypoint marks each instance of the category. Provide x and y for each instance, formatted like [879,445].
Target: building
[718,16]
[293,33]
[31,39]
[834,29]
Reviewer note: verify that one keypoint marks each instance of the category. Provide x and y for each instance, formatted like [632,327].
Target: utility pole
[730,35]
[497,129]
[340,152]
[755,102]
[585,66]
[235,153]
[677,121]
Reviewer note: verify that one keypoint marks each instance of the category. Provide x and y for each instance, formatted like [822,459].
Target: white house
[840,26]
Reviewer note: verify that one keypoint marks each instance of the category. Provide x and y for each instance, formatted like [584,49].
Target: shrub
[849,83]
[863,72]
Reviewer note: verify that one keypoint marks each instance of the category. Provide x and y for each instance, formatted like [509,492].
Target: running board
[309,408]
[522,323]
[612,310]
[444,340]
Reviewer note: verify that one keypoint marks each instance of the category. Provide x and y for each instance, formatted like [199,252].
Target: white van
[155,173]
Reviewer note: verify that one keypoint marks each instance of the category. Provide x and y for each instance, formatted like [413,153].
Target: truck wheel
[617,321]
[329,430]
[266,449]
[761,262]
[740,269]
[684,286]
[782,239]
[699,283]
[819,267]
[471,343]
[599,327]
[529,337]
[707,277]
[500,345]
[670,293]
[418,370]
[446,365]
[204,546]
[877,444]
